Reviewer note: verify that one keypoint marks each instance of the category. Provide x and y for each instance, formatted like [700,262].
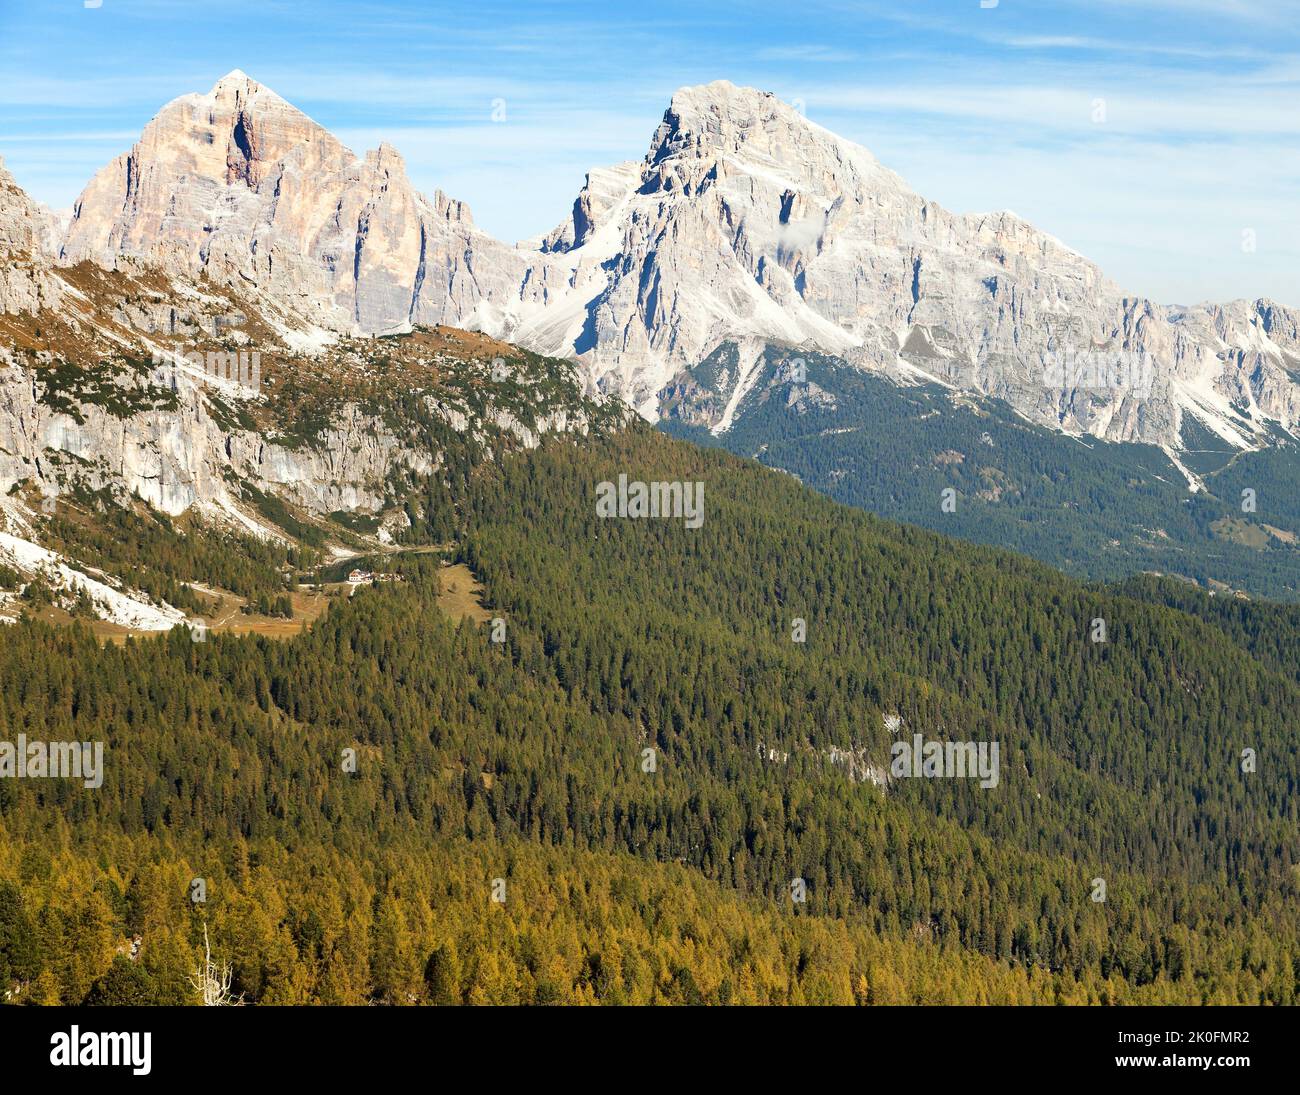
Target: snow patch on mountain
[135,611]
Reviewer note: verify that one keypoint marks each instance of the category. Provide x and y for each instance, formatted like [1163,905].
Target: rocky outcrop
[167,437]
[246,189]
[175,453]
[599,203]
[26,285]
[20,218]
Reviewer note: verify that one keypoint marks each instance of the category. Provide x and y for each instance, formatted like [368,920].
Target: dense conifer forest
[615,803]
[1094,509]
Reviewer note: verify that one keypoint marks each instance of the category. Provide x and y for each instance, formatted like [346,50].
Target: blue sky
[1150,135]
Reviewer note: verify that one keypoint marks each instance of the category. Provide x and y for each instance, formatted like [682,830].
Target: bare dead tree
[213,981]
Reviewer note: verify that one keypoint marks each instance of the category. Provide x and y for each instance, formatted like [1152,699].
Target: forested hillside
[1094,509]
[612,804]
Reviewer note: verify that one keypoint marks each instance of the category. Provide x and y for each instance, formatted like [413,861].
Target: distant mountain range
[745,222]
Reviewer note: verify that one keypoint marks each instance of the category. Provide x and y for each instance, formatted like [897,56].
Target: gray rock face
[599,199]
[744,222]
[19,217]
[180,457]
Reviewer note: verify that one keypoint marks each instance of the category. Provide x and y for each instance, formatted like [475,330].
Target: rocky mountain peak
[601,194]
[237,81]
[26,229]
[190,174]
[724,116]
[19,216]
[243,187]
[745,129]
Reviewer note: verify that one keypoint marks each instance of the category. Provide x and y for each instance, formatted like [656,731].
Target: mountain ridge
[743,221]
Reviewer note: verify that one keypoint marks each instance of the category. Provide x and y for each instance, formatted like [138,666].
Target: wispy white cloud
[1121,46]
[9,140]
[1097,108]
[1250,11]
[810,53]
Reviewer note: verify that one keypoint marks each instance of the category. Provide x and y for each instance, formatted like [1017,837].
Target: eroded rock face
[19,217]
[184,453]
[600,199]
[180,455]
[25,282]
[141,385]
